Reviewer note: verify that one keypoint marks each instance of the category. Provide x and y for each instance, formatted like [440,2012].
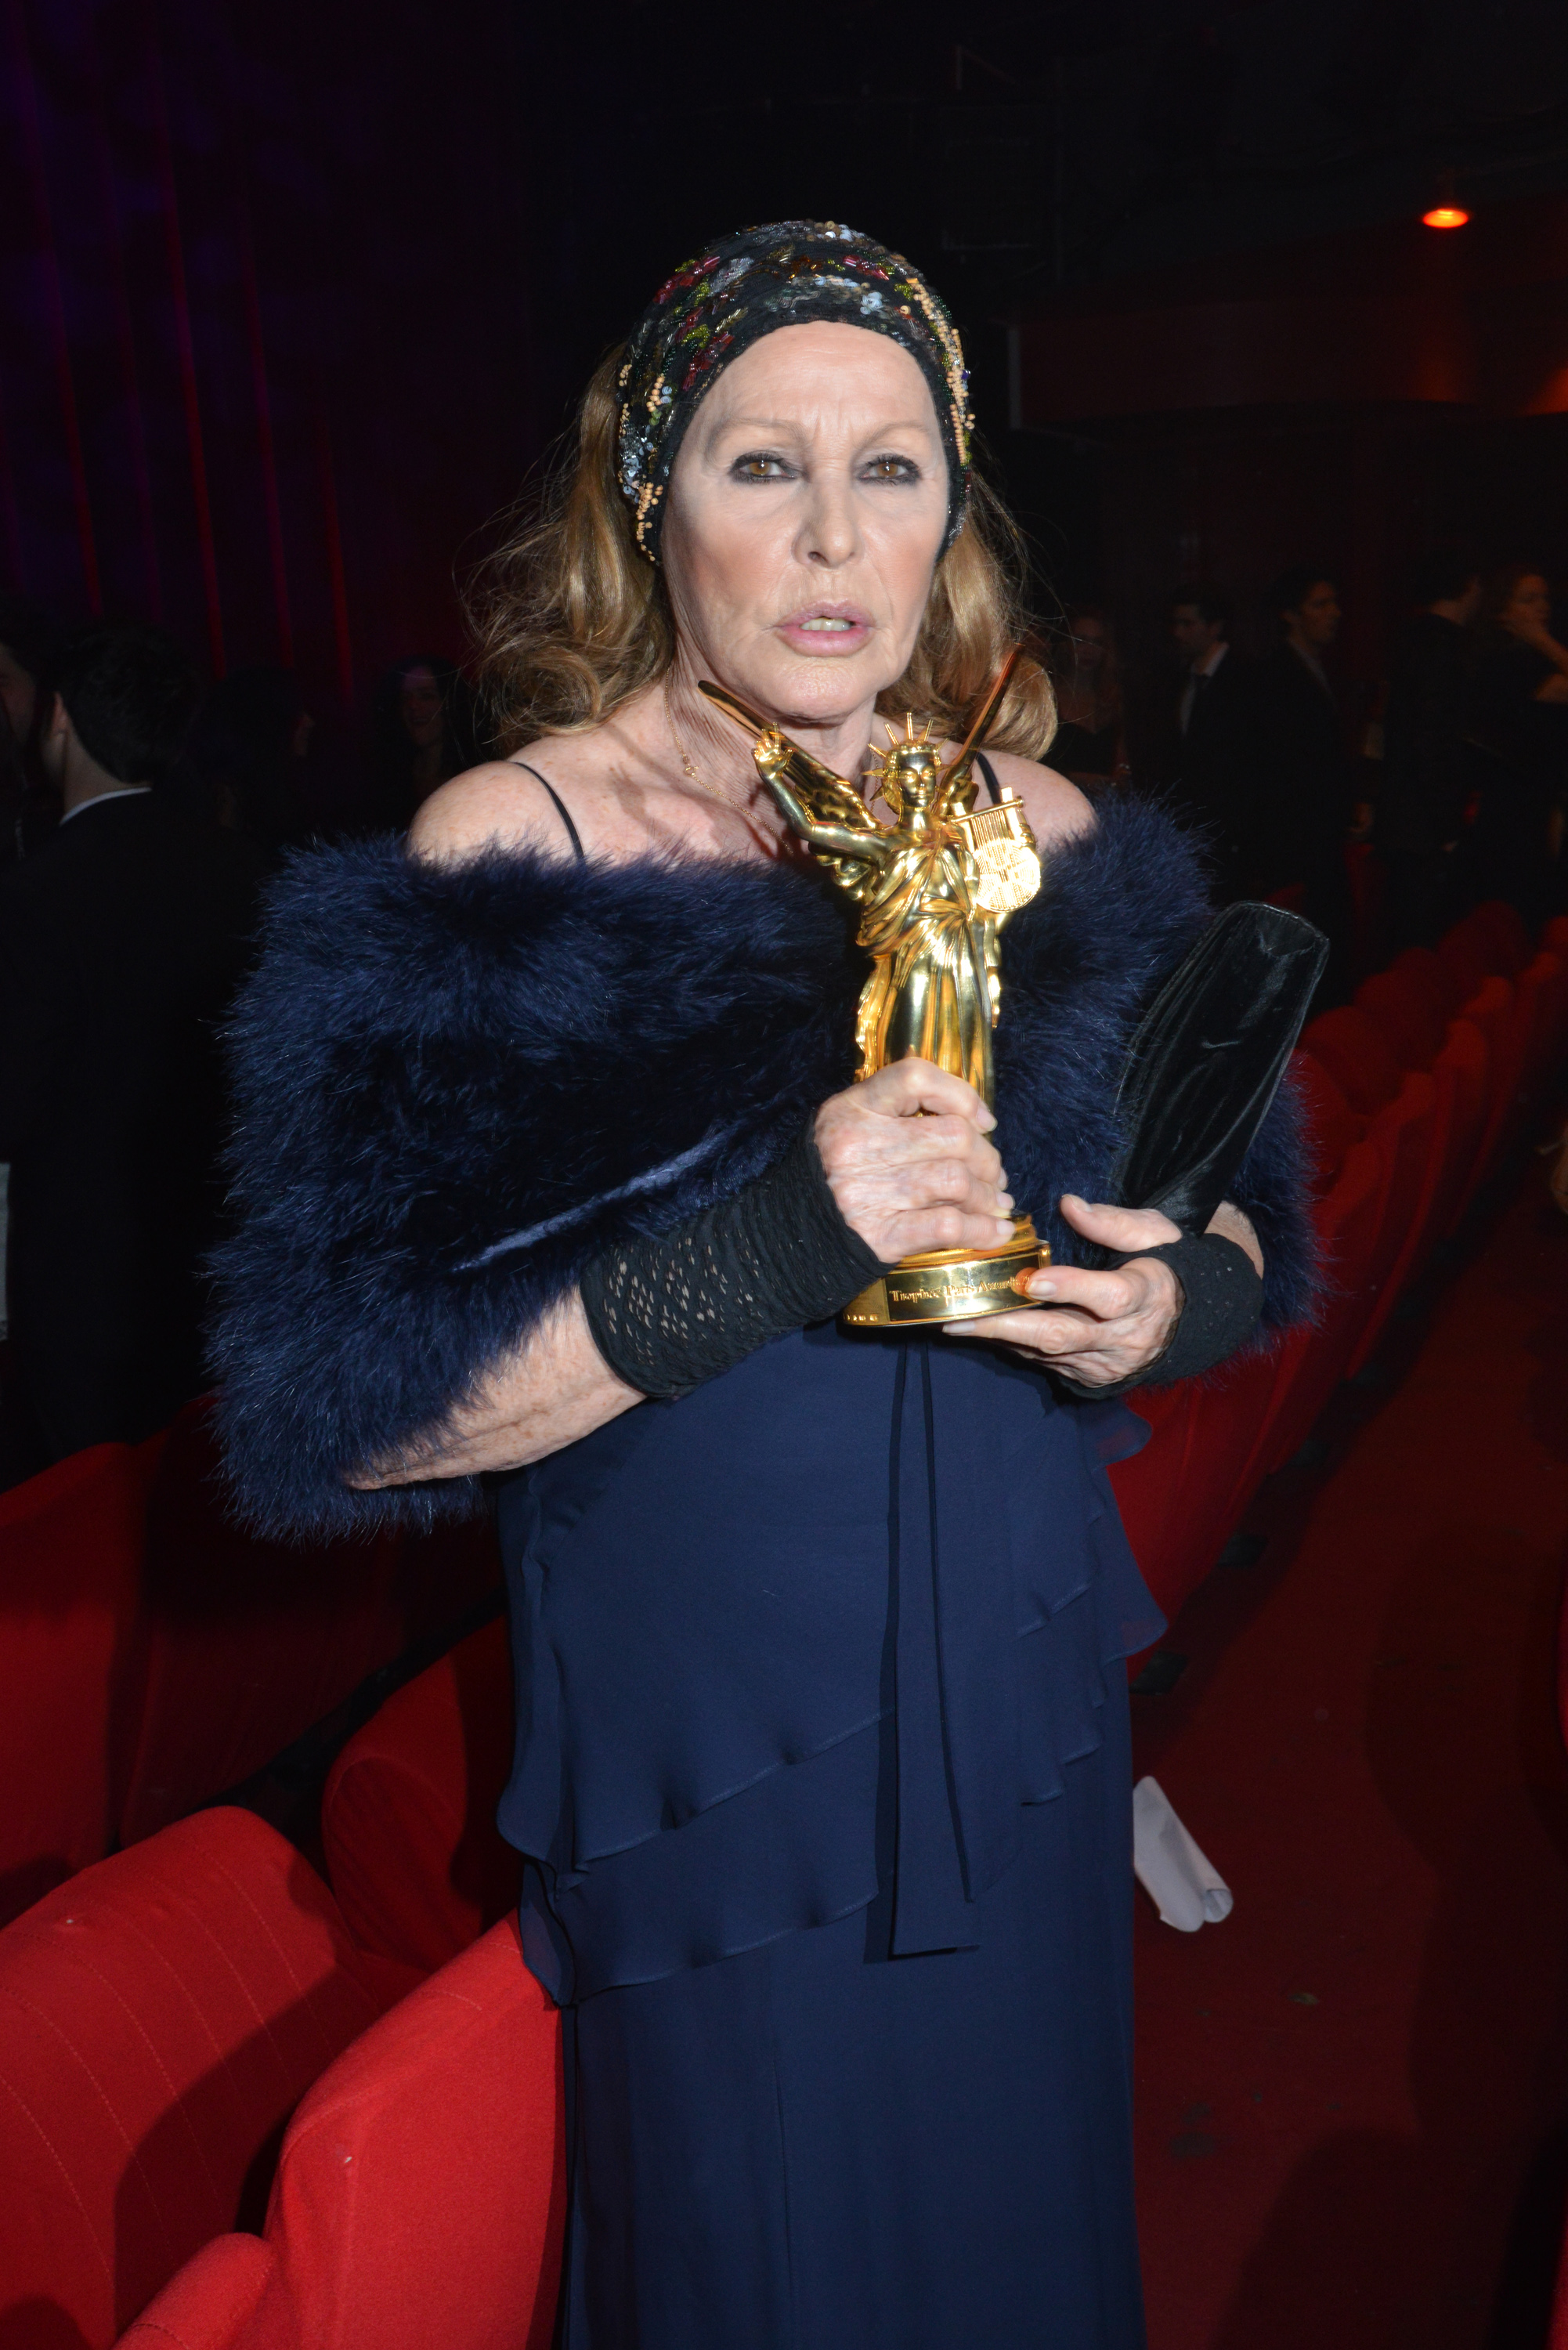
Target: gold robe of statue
[925,919]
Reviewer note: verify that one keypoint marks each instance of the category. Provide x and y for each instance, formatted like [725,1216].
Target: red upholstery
[1541,1008]
[1459,1076]
[1180,1496]
[1404,1010]
[230,2297]
[408,1819]
[1310,1363]
[421,2194]
[1358,1056]
[1555,934]
[1499,931]
[70,1556]
[160,2018]
[244,1644]
[1490,1009]
[1406,1135]
[1330,1123]
[1425,968]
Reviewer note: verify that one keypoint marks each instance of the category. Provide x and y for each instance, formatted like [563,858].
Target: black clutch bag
[1208,1057]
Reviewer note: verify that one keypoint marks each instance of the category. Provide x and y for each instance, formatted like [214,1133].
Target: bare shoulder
[496,805]
[1057,810]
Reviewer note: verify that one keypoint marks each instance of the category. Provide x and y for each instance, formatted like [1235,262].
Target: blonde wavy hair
[573,620]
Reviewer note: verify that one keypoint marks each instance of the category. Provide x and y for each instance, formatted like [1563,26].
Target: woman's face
[1531,603]
[807,508]
[418,701]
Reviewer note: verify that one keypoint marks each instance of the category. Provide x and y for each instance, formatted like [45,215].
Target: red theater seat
[244,1644]
[160,2017]
[70,1558]
[1405,1013]
[421,2194]
[407,1818]
[1501,933]
[1310,1363]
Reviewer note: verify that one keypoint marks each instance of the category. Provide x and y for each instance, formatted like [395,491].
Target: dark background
[293,296]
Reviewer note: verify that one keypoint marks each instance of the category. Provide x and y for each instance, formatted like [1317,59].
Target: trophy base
[951,1285]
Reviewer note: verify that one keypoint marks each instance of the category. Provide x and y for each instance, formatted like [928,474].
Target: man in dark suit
[1426,776]
[121,940]
[1306,783]
[1212,761]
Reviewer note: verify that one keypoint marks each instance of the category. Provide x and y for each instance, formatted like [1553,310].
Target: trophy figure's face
[806,510]
[916,779]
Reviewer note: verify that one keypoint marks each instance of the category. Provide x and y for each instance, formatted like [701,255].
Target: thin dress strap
[986,769]
[564,812]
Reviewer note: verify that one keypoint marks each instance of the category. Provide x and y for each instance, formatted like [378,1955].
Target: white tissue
[1184,1884]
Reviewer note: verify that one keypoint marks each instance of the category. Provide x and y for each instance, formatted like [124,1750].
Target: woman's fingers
[919,1088]
[1099,1327]
[1125,1229]
[909,1164]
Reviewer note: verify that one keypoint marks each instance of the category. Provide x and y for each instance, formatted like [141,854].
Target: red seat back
[407,1818]
[421,2195]
[1330,1124]
[1408,1136]
[160,2018]
[1501,933]
[70,1560]
[1311,1362]
[1423,967]
[1406,1016]
[244,1644]
[1357,1055]
[230,2297]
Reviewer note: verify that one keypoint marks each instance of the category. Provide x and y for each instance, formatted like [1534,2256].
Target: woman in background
[1088,746]
[424,730]
[1516,731]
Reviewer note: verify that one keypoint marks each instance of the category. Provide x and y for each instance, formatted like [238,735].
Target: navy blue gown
[822,1782]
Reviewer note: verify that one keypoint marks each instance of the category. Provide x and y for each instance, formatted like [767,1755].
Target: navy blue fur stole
[455,1086]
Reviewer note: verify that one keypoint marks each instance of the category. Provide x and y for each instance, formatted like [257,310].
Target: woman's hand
[553,1388]
[908,1161]
[1100,1328]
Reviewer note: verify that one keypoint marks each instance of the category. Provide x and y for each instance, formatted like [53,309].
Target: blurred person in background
[122,938]
[1211,759]
[1088,745]
[1516,735]
[246,758]
[29,807]
[424,730]
[1306,796]
[1425,786]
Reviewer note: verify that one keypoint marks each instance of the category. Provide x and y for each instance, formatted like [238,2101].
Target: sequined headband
[743,288]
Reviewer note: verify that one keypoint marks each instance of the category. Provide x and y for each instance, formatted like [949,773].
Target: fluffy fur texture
[456,1086]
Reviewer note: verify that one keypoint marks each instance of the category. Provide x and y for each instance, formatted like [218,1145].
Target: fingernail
[987,1120]
[1037,1284]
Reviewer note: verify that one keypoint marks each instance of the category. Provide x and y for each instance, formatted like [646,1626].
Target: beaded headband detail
[744,287]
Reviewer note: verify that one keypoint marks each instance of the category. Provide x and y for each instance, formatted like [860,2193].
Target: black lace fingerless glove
[667,1314]
[1223,1296]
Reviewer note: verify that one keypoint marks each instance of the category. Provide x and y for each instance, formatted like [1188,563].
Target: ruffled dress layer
[822,1787]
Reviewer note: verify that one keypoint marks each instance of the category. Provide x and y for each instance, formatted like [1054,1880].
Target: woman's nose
[831,532]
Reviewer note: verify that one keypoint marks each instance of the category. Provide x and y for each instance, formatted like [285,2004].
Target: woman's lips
[827,630]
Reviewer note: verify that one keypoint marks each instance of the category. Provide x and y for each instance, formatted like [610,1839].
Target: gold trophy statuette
[935,888]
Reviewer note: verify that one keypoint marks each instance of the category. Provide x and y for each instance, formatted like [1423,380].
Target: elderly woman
[552,1172]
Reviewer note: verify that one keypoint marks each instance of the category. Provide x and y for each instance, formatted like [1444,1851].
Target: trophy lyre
[935,889]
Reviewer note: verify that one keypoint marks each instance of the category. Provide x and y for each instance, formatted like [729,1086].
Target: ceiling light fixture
[1448,212]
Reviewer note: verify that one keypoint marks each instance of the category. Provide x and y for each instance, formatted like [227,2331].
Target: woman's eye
[892,469]
[759,465]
